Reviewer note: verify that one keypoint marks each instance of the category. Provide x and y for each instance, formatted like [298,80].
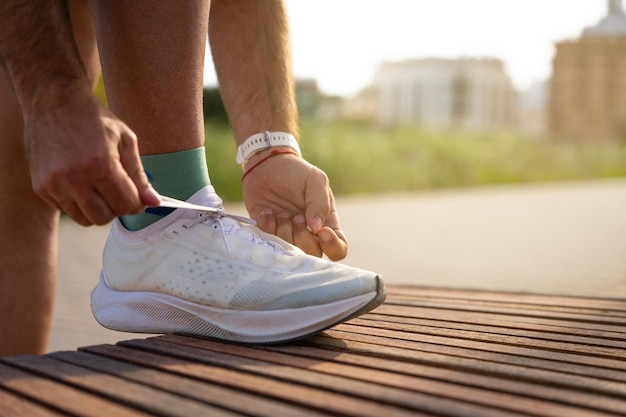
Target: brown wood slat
[426,351]
[356,390]
[534,358]
[481,364]
[217,395]
[504,310]
[591,311]
[530,299]
[186,362]
[490,382]
[601,356]
[495,399]
[116,389]
[59,396]
[535,332]
[13,405]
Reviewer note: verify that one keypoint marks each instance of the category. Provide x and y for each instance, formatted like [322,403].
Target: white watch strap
[264,140]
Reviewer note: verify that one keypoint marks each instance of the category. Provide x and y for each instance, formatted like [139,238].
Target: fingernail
[324,235]
[316,223]
[299,219]
[153,198]
[266,212]
[341,235]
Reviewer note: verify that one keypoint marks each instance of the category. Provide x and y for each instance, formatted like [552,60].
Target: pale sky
[340,43]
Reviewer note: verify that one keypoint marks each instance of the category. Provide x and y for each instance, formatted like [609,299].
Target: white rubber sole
[151,312]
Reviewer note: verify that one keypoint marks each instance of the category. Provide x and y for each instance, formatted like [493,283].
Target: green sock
[177,174]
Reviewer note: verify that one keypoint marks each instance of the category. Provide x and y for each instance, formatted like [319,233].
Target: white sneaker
[217,277]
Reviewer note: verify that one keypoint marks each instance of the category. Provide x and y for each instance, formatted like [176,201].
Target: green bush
[363,158]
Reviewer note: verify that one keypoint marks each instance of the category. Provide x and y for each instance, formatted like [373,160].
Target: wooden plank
[12,405]
[529,299]
[577,398]
[611,332]
[611,357]
[117,390]
[59,396]
[537,332]
[426,351]
[434,401]
[499,352]
[496,399]
[452,358]
[503,310]
[204,391]
[464,321]
[165,356]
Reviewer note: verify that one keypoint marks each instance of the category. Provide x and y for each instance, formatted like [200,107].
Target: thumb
[318,203]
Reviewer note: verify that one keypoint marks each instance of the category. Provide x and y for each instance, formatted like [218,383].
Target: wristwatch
[264,140]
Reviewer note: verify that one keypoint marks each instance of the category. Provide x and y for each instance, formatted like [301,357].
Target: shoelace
[170,202]
[217,215]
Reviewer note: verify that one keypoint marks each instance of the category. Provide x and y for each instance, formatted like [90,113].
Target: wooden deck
[426,351]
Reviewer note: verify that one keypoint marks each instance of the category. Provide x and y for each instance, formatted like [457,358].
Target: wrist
[51,95]
[265,153]
[265,140]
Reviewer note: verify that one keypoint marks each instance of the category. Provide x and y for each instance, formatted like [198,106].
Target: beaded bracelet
[272,154]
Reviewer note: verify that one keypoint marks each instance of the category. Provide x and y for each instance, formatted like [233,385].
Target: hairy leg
[28,224]
[152,56]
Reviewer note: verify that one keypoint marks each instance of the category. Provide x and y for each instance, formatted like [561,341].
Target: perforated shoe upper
[215,260]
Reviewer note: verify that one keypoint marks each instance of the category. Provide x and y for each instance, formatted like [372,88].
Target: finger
[116,179]
[72,210]
[303,238]
[95,209]
[318,200]
[144,195]
[284,227]
[266,221]
[333,243]
[119,193]
[81,189]
[64,197]
[332,222]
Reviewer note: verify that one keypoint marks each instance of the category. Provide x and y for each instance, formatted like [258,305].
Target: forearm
[38,51]
[251,50]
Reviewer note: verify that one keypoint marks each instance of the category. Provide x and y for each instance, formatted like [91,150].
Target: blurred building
[532,109]
[307,96]
[313,104]
[460,93]
[588,87]
[361,106]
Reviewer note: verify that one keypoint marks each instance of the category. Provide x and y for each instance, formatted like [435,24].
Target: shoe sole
[151,312]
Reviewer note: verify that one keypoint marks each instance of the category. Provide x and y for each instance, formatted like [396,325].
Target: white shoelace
[228,223]
[170,202]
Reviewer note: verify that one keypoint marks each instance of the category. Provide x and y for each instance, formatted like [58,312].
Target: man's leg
[152,57]
[28,225]
[27,242]
[198,273]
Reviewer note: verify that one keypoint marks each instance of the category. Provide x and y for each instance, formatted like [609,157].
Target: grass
[365,158]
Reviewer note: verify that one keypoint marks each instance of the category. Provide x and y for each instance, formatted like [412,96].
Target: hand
[85,161]
[292,199]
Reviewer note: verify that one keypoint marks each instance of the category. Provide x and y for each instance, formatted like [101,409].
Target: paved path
[557,238]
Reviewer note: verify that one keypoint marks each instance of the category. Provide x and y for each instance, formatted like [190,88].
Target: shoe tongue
[208,197]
